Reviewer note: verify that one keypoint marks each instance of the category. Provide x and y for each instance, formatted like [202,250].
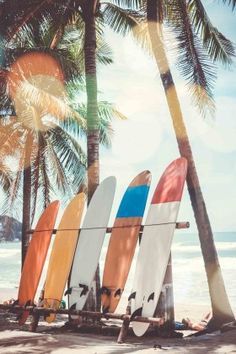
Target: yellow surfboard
[62,254]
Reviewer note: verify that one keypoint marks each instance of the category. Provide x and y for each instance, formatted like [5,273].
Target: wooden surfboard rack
[36,312]
[178,225]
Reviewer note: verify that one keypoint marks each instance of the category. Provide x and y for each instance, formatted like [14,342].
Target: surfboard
[90,243]
[62,254]
[123,241]
[156,242]
[35,258]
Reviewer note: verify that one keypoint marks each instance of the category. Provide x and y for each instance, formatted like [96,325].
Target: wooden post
[125,326]
[35,321]
[36,315]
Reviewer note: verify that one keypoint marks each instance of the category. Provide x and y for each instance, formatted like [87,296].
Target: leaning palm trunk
[26,199]
[92,113]
[221,308]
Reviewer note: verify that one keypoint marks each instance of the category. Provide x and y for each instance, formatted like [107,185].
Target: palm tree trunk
[92,108]
[26,199]
[221,308]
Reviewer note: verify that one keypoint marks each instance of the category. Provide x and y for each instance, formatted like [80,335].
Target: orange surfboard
[35,258]
[123,240]
[62,254]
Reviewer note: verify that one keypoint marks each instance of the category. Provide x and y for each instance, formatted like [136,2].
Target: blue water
[189,277]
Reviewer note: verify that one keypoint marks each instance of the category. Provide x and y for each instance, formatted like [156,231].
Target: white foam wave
[220,246]
[8,253]
[196,265]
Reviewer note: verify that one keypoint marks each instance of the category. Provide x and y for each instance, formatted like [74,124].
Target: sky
[146,140]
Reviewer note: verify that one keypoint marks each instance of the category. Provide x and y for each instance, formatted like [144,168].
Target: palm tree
[90,13]
[47,163]
[26,40]
[198,40]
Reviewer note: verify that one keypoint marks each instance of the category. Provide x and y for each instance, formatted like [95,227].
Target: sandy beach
[57,339]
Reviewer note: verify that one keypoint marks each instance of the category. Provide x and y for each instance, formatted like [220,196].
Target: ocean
[189,278]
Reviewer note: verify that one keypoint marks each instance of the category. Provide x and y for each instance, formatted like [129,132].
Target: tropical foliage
[56,160]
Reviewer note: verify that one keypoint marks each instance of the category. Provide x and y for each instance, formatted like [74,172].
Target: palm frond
[142,38]
[24,13]
[192,61]
[56,165]
[218,46]
[119,19]
[230,2]
[128,4]
[24,38]
[6,177]
[103,52]
[46,103]
[107,112]
[73,42]
[69,154]
[15,188]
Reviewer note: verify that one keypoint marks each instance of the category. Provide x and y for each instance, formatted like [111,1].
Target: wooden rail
[178,225]
[98,315]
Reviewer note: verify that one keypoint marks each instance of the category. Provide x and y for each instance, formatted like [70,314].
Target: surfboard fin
[104,290]
[132,296]
[85,289]
[68,291]
[137,312]
[105,310]
[151,297]
[118,293]
[73,307]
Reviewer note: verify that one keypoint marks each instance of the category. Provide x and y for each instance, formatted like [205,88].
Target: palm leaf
[230,2]
[15,188]
[46,103]
[192,60]
[6,177]
[69,153]
[119,19]
[141,36]
[128,4]
[218,46]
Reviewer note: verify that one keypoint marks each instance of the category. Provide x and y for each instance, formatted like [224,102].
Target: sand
[56,339]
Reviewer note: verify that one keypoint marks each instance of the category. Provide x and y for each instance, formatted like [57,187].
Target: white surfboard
[156,243]
[90,243]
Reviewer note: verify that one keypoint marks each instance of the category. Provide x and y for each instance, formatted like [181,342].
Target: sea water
[189,277]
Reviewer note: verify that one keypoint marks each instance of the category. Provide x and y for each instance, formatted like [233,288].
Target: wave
[196,264]
[8,253]
[220,246]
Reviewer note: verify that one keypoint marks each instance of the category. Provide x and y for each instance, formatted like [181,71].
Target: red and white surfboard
[156,243]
